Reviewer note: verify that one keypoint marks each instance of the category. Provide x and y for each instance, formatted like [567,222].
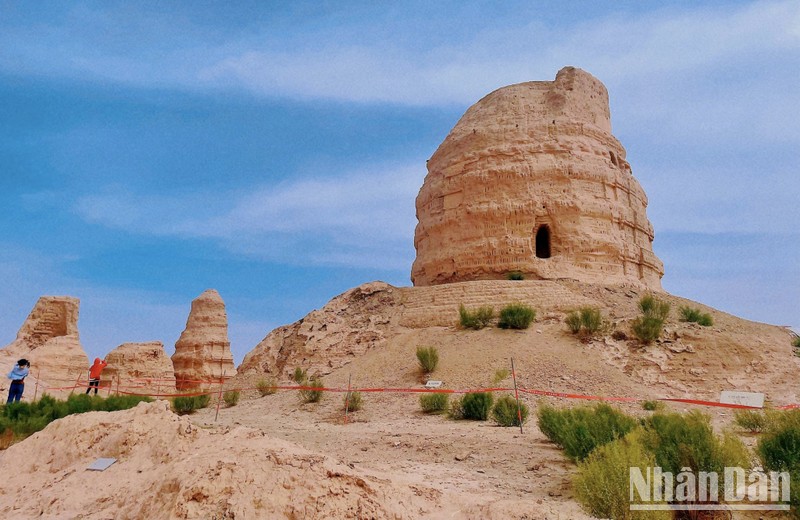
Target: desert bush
[580,430]
[796,342]
[475,319]
[647,330]
[586,320]
[779,450]
[647,327]
[433,403]
[313,391]
[428,358]
[653,307]
[455,409]
[476,406]
[184,405]
[688,440]
[113,403]
[653,406]
[231,397]
[694,315]
[779,445]
[515,275]
[299,375]
[602,482]
[516,316]
[505,412]
[352,402]
[19,420]
[573,321]
[500,374]
[267,386]
[753,421]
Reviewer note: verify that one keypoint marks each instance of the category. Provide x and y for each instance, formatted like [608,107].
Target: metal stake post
[516,395]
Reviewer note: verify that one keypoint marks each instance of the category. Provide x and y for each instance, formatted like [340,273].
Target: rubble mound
[168,468]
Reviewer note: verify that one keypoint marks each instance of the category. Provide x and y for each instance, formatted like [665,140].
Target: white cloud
[361,219]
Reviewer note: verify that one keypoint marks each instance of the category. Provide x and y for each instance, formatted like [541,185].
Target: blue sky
[273,151]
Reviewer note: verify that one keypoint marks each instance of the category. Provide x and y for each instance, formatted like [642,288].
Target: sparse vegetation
[433,403]
[515,275]
[506,413]
[796,342]
[653,406]
[516,316]
[476,406]
[313,391]
[267,386]
[602,483]
[184,405]
[694,315]
[580,430]
[299,376]
[475,319]
[779,450]
[500,374]
[669,441]
[647,327]
[231,397]
[753,421]
[428,358]
[586,321]
[353,402]
[22,419]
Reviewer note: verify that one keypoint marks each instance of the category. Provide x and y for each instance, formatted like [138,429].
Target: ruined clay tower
[531,180]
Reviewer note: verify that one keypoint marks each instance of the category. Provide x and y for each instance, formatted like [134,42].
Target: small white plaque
[101,464]
[754,399]
[434,384]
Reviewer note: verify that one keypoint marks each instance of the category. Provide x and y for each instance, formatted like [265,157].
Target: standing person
[17,377]
[94,374]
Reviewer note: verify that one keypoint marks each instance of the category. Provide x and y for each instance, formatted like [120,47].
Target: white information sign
[754,399]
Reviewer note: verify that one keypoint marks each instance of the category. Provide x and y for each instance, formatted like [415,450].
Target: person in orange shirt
[94,374]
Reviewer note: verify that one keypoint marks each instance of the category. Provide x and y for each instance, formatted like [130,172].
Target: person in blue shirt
[17,377]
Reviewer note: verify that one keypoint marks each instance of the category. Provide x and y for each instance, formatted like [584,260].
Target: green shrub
[602,482]
[586,320]
[647,330]
[267,386]
[515,275]
[573,321]
[796,342]
[433,403]
[313,392]
[476,406]
[500,374]
[428,358]
[580,430]
[779,450]
[688,440]
[516,316]
[184,405]
[779,445]
[506,413]
[653,406]
[652,307]
[352,402]
[455,409]
[753,421]
[299,376]
[19,420]
[694,315]
[231,397]
[476,319]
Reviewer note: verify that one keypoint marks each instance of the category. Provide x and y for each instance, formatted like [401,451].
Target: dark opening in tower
[543,241]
